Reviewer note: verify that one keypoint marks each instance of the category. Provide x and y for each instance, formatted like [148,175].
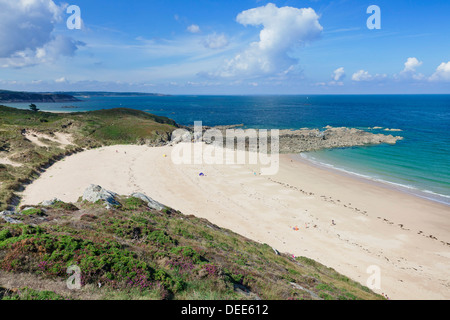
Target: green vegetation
[33,107]
[88,130]
[33,211]
[138,253]
[29,294]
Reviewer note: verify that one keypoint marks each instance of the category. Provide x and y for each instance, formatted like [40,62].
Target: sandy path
[406,237]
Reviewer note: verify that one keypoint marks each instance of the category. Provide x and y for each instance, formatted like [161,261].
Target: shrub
[187,252]
[183,232]
[34,212]
[133,203]
[5,234]
[161,237]
[65,206]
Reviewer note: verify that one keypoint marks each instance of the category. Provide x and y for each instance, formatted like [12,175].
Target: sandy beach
[405,236]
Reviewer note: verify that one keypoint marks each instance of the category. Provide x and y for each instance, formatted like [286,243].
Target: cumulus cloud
[363,75]
[215,41]
[283,29]
[338,74]
[411,64]
[193,28]
[409,71]
[442,72]
[26,34]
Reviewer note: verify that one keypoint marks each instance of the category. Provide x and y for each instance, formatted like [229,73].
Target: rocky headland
[291,141]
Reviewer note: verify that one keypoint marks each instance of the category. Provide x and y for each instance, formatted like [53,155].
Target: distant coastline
[16,96]
[88,94]
[7,96]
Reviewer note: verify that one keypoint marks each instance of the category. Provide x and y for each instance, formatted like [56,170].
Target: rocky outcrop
[7,216]
[315,139]
[152,204]
[49,203]
[296,141]
[96,193]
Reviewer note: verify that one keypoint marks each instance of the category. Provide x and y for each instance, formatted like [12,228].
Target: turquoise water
[420,163]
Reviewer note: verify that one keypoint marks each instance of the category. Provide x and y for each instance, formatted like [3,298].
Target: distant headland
[22,96]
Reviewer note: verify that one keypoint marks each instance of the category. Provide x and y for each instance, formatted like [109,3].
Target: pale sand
[368,217]
[63,139]
[9,162]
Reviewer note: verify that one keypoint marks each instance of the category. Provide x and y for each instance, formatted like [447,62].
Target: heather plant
[181,266]
[211,269]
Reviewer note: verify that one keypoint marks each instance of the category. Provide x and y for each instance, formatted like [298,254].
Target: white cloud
[215,41]
[411,64]
[61,80]
[409,71]
[338,74]
[26,34]
[442,72]
[283,29]
[363,75]
[193,28]
[26,24]
[58,46]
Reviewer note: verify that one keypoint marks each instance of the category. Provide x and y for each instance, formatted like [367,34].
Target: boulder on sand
[150,202]
[95,193]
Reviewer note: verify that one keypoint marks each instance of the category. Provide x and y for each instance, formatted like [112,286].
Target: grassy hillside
[88,130]
[132,252]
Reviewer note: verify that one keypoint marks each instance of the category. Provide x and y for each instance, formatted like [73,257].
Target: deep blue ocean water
[420,163]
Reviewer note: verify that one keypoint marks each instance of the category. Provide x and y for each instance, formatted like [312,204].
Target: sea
[419,164]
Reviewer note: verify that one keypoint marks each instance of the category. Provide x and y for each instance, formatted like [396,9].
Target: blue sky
[226,47]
